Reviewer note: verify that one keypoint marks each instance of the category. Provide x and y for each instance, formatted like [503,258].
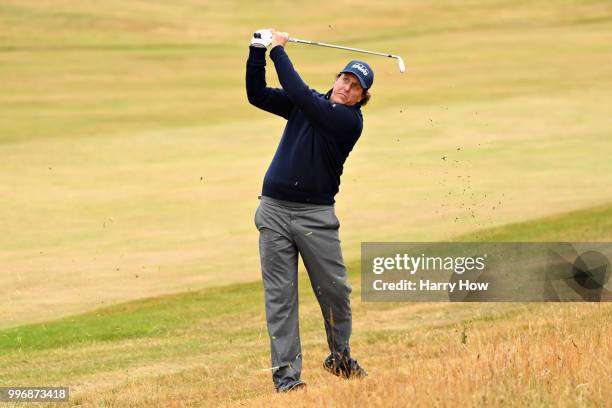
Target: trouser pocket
[256,220]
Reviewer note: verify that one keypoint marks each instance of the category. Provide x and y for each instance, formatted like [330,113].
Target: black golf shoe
[343,366]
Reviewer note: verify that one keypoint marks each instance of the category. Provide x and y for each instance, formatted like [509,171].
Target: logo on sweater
[361,68]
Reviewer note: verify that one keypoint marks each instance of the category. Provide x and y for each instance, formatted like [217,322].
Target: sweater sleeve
[337,118]
[272,100]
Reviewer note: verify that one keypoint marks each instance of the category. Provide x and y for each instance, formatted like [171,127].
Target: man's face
[347,90]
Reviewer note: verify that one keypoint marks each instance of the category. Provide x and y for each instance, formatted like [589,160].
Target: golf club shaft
[297,40]
[341,47]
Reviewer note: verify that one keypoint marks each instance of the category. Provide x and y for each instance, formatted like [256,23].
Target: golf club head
[402,67]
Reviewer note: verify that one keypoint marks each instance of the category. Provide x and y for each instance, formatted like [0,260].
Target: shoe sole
[300,386]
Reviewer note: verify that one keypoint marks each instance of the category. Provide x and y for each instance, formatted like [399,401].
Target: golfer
[296,213]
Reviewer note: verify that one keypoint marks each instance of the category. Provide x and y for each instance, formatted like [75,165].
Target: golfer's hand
[262,38]
[279,38]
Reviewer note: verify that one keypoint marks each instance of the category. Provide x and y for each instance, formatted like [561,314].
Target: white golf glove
[262,38]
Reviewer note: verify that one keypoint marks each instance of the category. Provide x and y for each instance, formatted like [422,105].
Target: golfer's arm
[269,99]
[335,117]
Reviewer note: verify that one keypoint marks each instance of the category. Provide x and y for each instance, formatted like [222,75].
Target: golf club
[400,61]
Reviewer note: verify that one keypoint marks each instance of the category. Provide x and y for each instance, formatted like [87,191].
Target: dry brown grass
[512,355]
[554,355]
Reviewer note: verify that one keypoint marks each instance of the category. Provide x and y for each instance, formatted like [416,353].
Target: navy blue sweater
[317,139]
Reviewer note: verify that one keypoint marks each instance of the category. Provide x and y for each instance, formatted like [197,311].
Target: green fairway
[131,160]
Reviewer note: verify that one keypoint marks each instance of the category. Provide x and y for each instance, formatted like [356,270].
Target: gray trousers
[287,229]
